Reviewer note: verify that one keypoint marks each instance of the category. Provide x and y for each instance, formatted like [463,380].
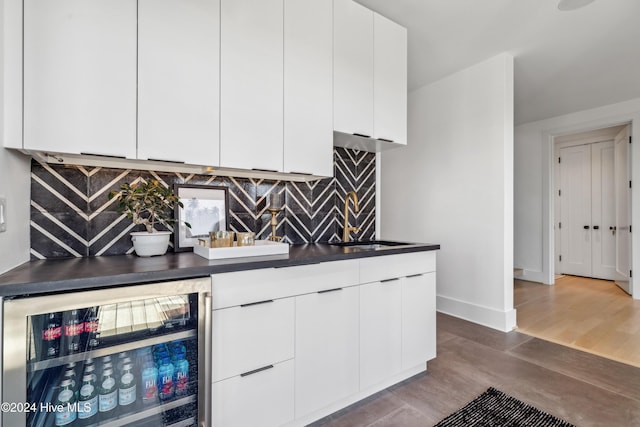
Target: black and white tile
[71,215]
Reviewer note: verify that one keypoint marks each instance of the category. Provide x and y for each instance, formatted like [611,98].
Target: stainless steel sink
[372,245]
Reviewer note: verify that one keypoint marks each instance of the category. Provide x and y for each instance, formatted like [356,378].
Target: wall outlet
[3,214]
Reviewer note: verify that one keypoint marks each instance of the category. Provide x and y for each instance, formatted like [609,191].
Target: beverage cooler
[125,356]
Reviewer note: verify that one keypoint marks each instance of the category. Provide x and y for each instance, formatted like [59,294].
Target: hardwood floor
[587,314]
[582,388]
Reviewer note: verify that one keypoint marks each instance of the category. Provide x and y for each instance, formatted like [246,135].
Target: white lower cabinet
[263,398]
[292,345]
[418,319]
[380,331]
[326,348]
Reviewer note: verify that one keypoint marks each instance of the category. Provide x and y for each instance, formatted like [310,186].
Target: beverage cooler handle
[208,314]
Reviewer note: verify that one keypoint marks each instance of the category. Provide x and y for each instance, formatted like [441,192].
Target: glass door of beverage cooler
[128,356]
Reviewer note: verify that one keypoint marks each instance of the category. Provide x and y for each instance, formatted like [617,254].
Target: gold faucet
[347,229]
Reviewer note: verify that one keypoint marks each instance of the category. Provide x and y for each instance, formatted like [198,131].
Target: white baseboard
[530,275]
[501,320]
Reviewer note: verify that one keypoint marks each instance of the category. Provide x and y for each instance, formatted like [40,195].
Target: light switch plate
[3,214]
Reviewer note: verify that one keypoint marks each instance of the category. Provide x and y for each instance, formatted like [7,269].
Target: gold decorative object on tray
[275,206]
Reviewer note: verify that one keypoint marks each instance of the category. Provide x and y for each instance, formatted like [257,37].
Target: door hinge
[559,225]
[559,193]
[630,273]
[629,184]
[560,258]
[629,229]
[629,139]
[559,160]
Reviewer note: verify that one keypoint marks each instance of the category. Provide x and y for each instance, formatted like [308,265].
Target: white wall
[14,176]
[453,185]
[533,231]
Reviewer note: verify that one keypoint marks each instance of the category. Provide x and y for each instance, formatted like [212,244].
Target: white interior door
[575,210]
[621,228]
[603,242]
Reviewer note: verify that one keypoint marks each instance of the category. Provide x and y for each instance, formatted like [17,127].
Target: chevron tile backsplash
[71,215]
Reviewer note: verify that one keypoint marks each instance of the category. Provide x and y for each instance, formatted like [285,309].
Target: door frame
[548,187]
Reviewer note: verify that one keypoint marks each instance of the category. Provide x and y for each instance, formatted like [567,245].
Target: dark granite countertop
[48,276]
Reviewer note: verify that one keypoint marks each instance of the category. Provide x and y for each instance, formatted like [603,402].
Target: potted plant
[148,203]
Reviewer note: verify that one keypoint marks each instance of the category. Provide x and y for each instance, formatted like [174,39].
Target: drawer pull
[362,135]
[329,290]
[256,303]
[415,275]
[255,371]
[385,140]
[389,280]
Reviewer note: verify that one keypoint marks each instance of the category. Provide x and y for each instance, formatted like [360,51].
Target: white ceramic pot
[150,244]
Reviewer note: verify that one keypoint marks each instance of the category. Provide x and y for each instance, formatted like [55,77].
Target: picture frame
[205,208]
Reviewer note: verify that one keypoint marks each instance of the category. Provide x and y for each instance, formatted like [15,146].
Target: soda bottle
[51,334]
[73,328]
[91,323]
[166,388]
[65,412]
[88,399]
[181,375]
[149,380]
[107,395]
[127,389]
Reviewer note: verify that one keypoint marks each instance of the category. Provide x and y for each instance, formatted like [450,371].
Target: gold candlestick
[274,224]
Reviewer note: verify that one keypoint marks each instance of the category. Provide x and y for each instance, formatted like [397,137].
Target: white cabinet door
[353,68]
[308,86]
[390,80]
[179,80]
[263,398]
[380,331]
[251,89]
[327,336]
[418,319]
[80,76]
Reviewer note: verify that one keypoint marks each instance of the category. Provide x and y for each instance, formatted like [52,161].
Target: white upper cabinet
[251,88]
[370,78]
[80,76]
[353,68]
[308,86]
[389,80]
[179,80]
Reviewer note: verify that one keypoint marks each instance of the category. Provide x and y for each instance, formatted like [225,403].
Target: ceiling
[564,61]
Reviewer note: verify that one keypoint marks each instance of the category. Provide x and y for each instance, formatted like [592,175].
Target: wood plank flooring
[588,314]
[582,388]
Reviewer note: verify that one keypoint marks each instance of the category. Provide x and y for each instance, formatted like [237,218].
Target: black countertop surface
[48,276]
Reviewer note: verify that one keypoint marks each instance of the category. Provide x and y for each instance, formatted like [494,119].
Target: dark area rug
[494,408]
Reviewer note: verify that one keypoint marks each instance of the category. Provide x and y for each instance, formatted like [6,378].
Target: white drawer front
[249,337]
[391,266]
[243,287]
[264,398]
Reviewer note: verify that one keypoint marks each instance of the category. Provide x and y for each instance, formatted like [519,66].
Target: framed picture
[205,208]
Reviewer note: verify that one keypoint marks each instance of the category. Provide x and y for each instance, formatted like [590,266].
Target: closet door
[575,210]
[587,210]
[603,201]
[621,227]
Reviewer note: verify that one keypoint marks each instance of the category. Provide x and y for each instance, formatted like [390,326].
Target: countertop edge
[20,281]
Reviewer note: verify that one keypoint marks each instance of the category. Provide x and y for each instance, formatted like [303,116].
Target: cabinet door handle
[586,227]
[385,140]
[109,156]
[301,173]
[415,275]
[362,135]
[255,371]
[256,303]
[329,290]
[596,227]
[166,161]
[389,280]
[263,170]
